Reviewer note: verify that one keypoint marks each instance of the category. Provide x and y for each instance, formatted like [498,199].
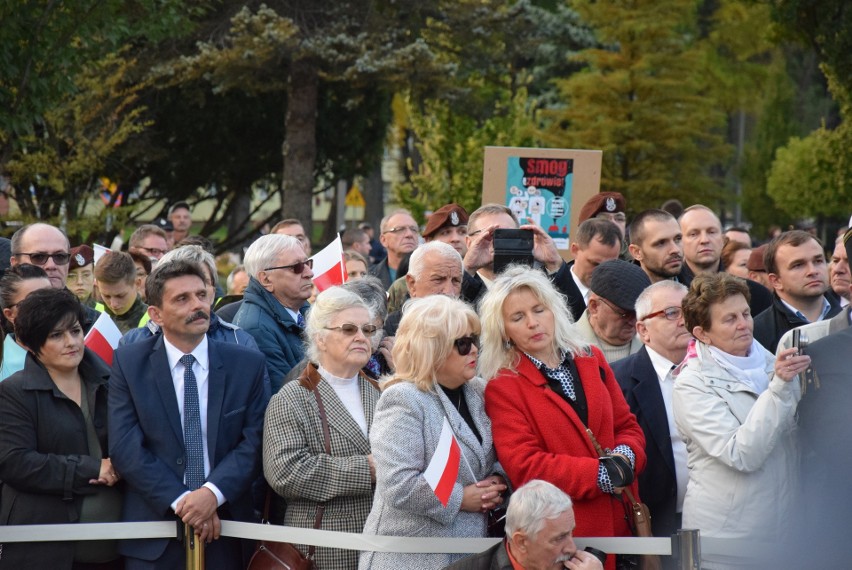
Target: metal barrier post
[689,549]
[193,548]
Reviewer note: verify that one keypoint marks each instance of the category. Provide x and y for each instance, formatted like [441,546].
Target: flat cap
[619,282]
[81,256]
[164,224]
[755,259]
[610,202]
[451,215]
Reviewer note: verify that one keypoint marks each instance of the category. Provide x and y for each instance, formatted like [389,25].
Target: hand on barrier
[209,530]
[107,476]
[197,507]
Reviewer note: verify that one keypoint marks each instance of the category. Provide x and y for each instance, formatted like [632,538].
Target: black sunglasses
[41,258]
[350,330]
[465,343]
[296,268]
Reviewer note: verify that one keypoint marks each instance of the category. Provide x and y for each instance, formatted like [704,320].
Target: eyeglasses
[466,343]
[400,229]
[296,268]
[351,330]
[154,250]
[617,311]
[671,314]
[41,258]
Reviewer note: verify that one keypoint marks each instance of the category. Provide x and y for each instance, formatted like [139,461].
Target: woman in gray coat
[435,354]
[295,461]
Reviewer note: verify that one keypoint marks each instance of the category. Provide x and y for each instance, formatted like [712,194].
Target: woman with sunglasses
[18,282]
[434,398]
[547,389]
[296,463]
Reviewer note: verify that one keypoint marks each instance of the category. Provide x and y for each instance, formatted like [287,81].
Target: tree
[645,101]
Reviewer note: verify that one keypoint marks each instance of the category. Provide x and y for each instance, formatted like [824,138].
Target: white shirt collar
[584,291]
[662,365]
[200,353]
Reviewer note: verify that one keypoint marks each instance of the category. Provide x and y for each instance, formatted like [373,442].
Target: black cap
[619,282]
[164,224]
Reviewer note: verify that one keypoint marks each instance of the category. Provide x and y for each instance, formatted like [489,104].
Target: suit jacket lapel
[463,433]
[368,400]
[649,396]
[215,400]
[161,377]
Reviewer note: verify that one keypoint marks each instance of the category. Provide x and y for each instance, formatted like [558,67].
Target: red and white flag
[329,268]
[443,470]
[103,338]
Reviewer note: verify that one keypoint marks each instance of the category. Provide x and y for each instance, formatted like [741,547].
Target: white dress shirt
[663,367]
[584,291]
[201,369]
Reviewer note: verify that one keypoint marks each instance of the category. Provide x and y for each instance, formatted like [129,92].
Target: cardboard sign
[545,186]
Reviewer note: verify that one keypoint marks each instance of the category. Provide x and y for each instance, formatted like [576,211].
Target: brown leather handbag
[271,555]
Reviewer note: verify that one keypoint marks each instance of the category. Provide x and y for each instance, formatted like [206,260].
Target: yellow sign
[354,198]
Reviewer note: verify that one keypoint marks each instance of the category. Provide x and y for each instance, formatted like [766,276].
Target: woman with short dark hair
[53,438]
[734,405]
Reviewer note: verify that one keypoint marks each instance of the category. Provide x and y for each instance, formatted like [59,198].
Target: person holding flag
[437,473]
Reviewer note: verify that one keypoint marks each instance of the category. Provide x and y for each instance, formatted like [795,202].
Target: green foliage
[62,162]
[646,102]
[451,147]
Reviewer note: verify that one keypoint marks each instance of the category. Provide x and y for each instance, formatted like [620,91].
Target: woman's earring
[507,344]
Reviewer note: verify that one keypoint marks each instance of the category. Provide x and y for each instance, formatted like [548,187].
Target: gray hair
[233,274]
[383,226]
[417,263]
[532,504]
[196,254]
[327,305]
[371,290]
[494,353]
[643,301]
[263,252]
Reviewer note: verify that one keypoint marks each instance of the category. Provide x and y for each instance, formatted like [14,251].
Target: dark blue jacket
[276,333]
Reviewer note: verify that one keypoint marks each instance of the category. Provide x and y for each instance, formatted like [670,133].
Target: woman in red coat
[546,388]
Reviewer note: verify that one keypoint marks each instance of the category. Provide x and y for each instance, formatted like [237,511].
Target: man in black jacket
[797,270]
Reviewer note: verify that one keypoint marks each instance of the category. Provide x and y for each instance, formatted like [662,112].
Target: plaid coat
[298,469]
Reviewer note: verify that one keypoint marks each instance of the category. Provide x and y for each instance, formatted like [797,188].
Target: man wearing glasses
[609,321]
[149,240]
[46,246]
[647,380]
[274,303]
[400,235]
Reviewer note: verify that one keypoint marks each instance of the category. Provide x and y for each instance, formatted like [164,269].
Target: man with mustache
[186,422]
[656,243]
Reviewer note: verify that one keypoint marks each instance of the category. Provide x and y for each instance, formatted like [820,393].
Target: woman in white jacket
[734,405]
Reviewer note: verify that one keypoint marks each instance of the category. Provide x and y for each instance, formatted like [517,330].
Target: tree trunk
[300,143]
[374,195]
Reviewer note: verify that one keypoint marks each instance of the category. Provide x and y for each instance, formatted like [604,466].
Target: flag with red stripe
[329,268]
[103,337]
[443,469]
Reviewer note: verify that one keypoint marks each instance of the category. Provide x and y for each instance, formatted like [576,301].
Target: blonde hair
[425,337]
[497,352]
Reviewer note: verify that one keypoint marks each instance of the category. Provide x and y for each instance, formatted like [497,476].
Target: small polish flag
[329,268]
[103,337]
[443,470]
[100,251]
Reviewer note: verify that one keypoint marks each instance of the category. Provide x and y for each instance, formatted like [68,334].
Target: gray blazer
[297,467]
[404,436]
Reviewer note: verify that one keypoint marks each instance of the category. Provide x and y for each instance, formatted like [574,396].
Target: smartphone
[800,341]
[512,246]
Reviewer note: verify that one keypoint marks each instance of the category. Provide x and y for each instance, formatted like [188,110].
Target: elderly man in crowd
[400,234]
[656,243]
[181,218]
[149,240]
[609,322]
[647,380]
[275,301]
[798,272]
[838,273]
[539,535]
[435,268]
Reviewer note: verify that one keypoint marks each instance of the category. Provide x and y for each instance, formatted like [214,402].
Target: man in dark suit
[186,422]
[647,381]
[539,534]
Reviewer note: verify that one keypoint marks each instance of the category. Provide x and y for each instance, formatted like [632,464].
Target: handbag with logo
[271,555]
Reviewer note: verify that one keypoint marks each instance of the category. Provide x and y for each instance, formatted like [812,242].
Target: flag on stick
[103,338]
[443,470]
[329,268]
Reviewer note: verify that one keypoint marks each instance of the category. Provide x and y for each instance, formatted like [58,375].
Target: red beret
[610,202]
[81,256]
[450,215]
[755,259]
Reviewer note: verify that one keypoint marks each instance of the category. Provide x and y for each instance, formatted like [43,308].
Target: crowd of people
[430,395]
